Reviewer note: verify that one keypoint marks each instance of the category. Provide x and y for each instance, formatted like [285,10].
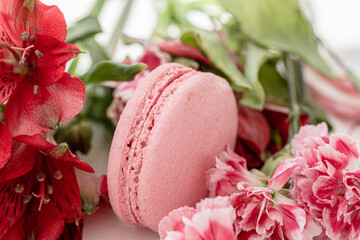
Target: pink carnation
[326,180]
[212,219]
[262,211]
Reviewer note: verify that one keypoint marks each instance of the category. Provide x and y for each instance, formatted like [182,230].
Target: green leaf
[274,160]
[274,84]
[85,28]
[255,57]
[97,52]
[110,71]
[211,46]
[278,24]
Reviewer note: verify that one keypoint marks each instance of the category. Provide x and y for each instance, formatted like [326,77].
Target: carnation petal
[284,171]
[212,224]
[297,144]
[174,222]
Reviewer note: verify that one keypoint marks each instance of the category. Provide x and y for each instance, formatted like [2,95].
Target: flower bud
[79,137]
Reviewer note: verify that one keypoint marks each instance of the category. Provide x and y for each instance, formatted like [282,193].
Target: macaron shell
[197,122]
[115,176]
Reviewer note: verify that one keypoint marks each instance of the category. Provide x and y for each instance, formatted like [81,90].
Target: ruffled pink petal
[5,144]
[230,169]
[297,144]
[294,220]
[213,203]
[345,144]
[27,113]
[284,171]
[173,222]
[211,224]
[175,236]
[333,161]
[352,184]
[335,229]
[311,229]
[326,189]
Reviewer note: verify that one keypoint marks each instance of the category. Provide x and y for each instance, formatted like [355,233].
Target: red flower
[32,64]
[253,135]
[5,143]
[38,190]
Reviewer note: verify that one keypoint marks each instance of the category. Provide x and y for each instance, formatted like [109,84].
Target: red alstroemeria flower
[262,209]
[38,190]
[33,55]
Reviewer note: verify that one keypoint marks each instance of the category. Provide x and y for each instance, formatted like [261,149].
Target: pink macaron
[174,125]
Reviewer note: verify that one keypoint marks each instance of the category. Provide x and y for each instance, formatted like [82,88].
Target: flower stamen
[57,175]
[32,38]
[3,44]
[25,36]
[24,50]
[19,188]
[44,198]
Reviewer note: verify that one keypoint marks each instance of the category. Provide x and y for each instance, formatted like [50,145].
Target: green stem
[73,66]
[97,8]
[292,75]
[119,28]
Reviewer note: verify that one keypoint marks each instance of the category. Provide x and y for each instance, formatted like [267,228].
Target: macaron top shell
[172,128]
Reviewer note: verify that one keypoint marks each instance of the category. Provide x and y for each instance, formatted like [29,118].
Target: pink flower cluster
[326,180]
[323,201]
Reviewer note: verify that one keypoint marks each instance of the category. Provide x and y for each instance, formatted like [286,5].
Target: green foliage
[83,29]
[211,46]
[111,71]
[277,24]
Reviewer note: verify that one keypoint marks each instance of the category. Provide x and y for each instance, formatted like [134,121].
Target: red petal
[59,152]
[5,144]
[253,128]
[51,66]
[72,231]
[11,206]
[29,114]
[182,49]
[22,161]
[65,202]
[8,79]
[48,226]
[16,232]
[47,20]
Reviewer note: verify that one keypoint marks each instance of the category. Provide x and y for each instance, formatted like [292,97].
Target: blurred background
[335,22]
